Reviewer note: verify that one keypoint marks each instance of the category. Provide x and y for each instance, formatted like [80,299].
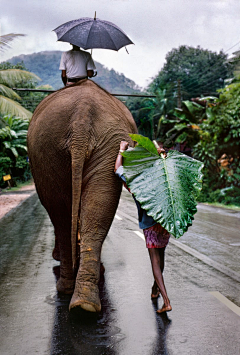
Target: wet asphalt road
[201,275]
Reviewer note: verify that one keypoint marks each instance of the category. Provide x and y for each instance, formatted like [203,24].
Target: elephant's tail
[77,168]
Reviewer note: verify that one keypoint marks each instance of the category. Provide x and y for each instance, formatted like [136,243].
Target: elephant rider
[156,238]
[75,65]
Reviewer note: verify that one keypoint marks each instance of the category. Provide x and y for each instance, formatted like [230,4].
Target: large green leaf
[144,142]
[165,187]
[13,108]
[6,91]
[11,77]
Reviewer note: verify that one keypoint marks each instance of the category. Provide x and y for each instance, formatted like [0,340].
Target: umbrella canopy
[89,33]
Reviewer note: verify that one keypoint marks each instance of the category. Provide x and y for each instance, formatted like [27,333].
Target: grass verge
[18,187]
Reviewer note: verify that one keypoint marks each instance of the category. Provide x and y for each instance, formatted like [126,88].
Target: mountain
[46,66]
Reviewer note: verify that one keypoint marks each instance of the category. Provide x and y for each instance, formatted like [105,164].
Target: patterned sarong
[156,236]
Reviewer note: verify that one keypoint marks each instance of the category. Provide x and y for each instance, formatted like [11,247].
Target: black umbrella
[89,33]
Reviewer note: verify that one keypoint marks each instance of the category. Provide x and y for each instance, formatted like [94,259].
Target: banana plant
[8,79]
[166,187]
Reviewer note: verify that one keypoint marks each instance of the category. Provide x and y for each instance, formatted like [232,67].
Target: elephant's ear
[165,187]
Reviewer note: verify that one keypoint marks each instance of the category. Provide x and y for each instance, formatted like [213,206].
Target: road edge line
[233,307]
[224,269]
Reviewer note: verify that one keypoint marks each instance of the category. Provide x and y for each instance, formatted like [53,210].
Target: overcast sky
[155,26]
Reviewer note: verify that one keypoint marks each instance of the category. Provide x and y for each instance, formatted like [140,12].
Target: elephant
[73,141]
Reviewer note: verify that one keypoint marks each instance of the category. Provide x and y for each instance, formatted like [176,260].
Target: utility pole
[179,94]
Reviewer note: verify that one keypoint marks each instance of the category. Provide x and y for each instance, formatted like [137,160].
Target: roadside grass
[217,204]
[19,186]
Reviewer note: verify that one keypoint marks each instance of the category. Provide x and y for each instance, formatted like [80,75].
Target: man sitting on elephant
[76,65]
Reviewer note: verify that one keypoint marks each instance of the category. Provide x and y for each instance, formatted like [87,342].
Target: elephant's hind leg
[98,205]
[56,250]
[62,224]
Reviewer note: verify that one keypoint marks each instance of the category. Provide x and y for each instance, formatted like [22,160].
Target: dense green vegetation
[14,118]
[191,72]
[13,149]
[46,66]
[28,100]
[205,127]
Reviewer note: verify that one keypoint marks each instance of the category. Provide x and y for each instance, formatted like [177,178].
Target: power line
[214,66]
[232,47]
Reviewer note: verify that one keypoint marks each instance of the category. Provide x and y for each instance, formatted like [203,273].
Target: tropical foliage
[13,148]
[182,124]
[28,99]
[165,187]
[14,118]
[210,128]
[219,147]
[148,113]
[10,78]
[205,127]
[190,72]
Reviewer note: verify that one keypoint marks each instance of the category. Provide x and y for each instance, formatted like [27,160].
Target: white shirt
[76,63]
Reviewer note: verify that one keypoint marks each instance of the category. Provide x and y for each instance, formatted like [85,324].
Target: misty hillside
[46,66]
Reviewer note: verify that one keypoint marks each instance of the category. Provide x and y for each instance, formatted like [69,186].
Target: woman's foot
[155,294]
[155,291]
[165,308]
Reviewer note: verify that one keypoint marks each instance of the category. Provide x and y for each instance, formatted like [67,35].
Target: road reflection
[80,332]
[163,325]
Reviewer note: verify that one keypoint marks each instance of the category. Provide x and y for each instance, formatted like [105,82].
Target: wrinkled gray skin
[73,142]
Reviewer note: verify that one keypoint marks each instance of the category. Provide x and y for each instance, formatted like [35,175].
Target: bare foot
[164,308]
[155,291]
[155,295]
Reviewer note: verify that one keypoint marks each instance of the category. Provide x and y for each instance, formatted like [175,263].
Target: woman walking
[156,238]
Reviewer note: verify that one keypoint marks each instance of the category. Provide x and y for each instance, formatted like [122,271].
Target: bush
[13,150]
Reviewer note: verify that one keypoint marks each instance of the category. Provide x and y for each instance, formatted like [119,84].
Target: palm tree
[9,78]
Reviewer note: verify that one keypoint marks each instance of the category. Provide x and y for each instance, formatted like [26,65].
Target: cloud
[155,26]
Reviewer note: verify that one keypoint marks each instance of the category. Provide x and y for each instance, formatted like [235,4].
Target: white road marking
[235,244]
[224,269]
[226,301]
[117,217]
[139,234]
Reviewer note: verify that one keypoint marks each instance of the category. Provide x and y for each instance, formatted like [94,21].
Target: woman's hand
[162,151]
[124,145]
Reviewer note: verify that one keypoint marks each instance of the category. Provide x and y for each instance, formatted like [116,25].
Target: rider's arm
[64,77]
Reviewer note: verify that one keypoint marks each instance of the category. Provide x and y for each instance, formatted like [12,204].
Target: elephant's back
[86,103]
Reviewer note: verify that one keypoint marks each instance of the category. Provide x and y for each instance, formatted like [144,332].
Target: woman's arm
[123,146]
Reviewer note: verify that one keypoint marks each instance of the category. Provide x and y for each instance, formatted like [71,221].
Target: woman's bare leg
[157,267]
[155,289]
